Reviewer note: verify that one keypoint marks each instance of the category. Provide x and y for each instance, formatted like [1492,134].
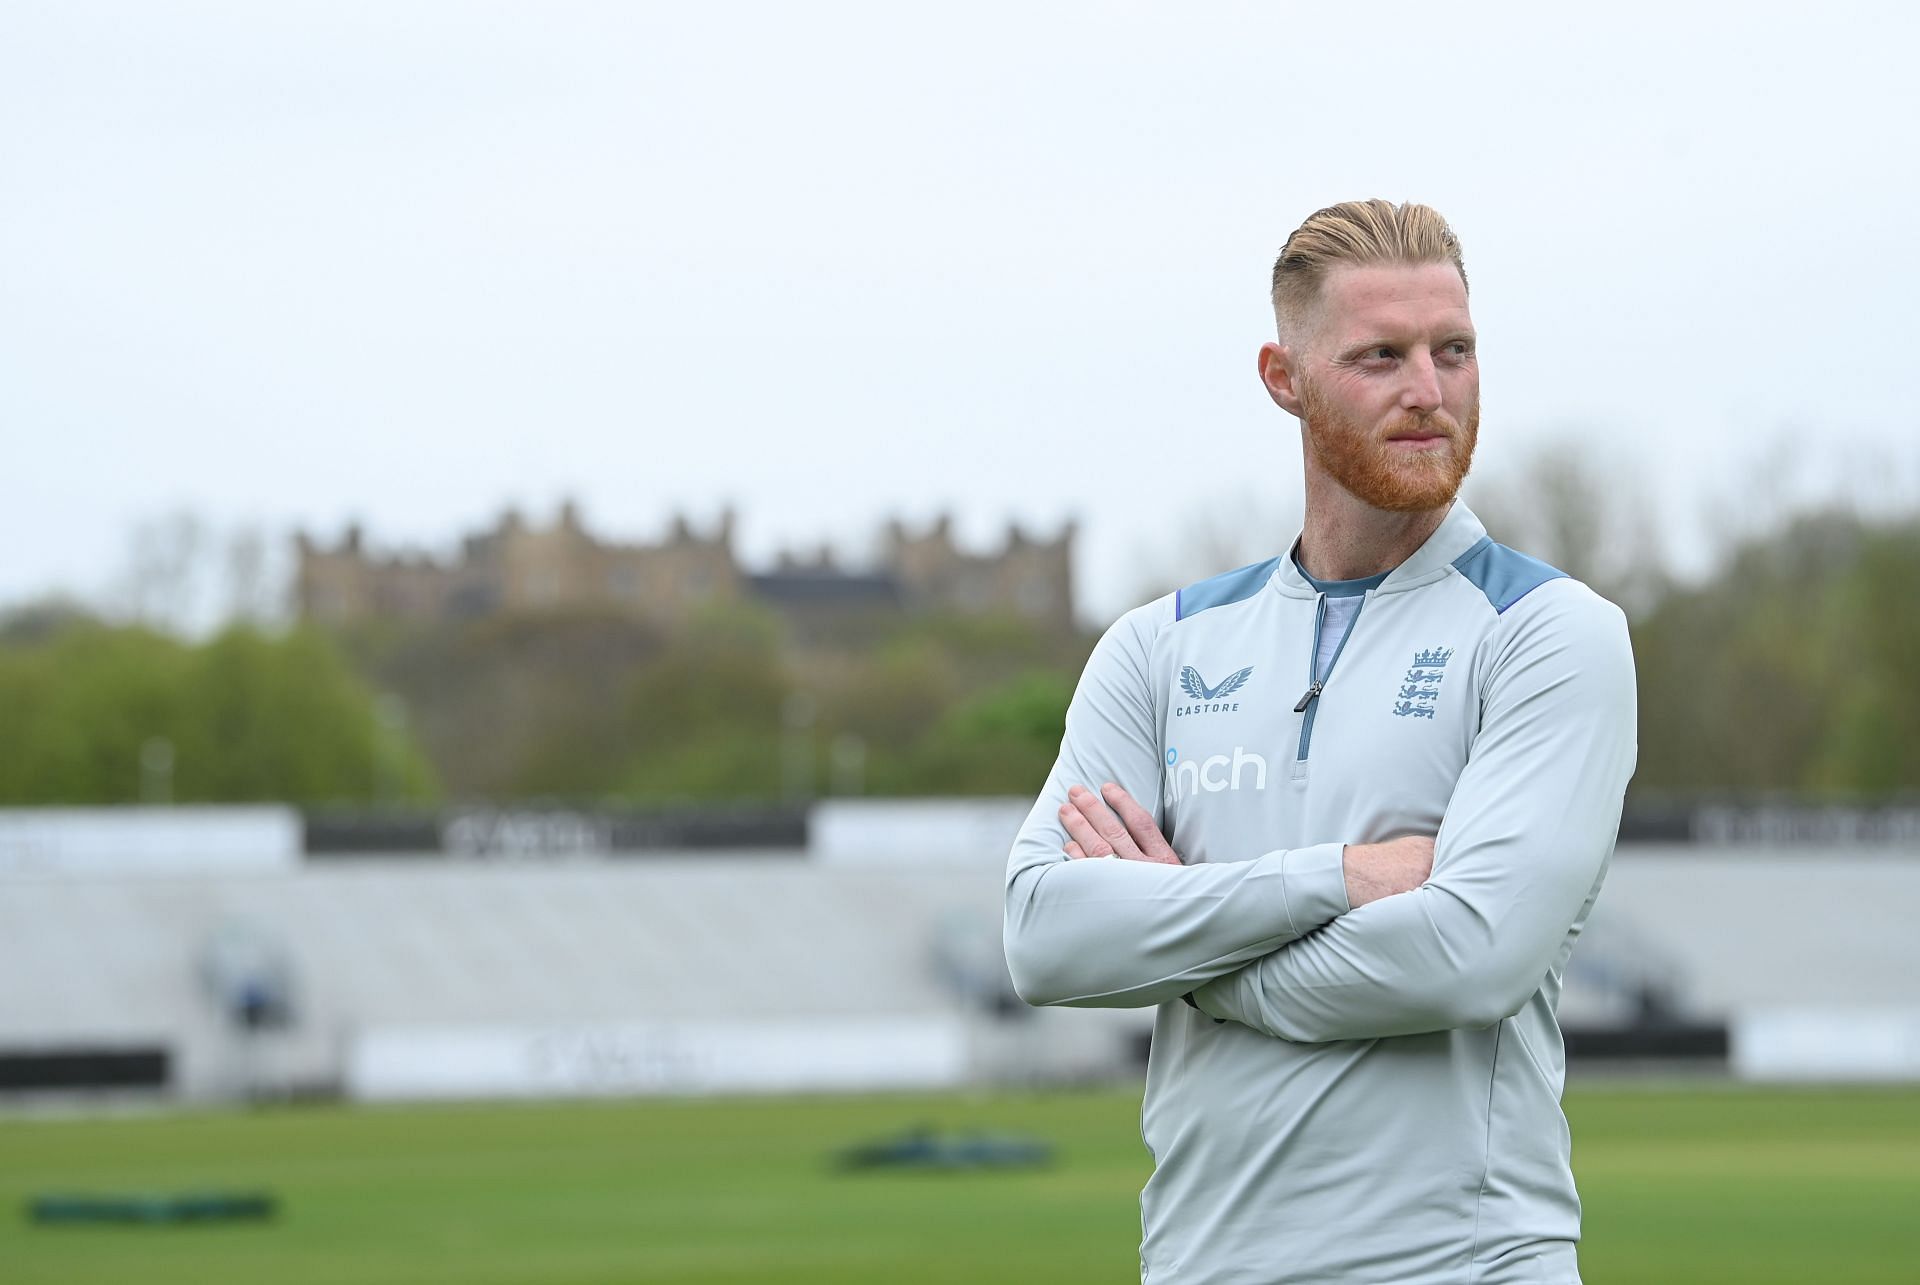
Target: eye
[1459,350]
[1382,353]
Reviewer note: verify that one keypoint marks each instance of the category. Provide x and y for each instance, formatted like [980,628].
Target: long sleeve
[1524,845]
[1120,934]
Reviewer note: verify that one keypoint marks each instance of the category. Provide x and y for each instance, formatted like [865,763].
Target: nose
[1422,391]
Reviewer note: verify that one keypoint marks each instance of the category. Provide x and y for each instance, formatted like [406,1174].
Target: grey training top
[1352,1095]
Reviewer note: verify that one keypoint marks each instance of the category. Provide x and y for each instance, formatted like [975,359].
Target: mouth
[1420,428]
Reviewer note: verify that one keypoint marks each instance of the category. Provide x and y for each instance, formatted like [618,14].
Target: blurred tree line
[596,707]
[95,713]
[1795,668]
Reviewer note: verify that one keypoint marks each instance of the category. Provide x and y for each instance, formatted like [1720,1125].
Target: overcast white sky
[292,264]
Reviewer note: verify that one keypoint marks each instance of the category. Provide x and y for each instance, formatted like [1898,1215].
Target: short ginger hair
[1357,232]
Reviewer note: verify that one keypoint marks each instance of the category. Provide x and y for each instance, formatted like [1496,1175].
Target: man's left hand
[1112,824]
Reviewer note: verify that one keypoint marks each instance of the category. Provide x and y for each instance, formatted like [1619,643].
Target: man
[1362,796]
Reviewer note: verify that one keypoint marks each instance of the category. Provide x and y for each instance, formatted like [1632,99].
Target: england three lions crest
[1420,688]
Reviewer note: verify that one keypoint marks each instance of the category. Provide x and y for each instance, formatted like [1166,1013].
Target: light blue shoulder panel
[1228,586]
[1504,575]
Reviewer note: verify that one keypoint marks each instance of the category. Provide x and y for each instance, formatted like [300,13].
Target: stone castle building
[517,567]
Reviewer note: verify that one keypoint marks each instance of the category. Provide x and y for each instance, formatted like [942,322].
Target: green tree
[709,715]
[1001,741]
[243,717]
[516,706]
[1792,670]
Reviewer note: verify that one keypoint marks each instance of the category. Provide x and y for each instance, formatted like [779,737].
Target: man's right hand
[1376,870]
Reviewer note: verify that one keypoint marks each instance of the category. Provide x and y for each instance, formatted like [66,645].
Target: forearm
[1429,960]
[1520,857]
[1121,934]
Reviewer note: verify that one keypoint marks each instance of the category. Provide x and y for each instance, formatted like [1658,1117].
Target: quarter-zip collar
[1459,531]
[1338,588]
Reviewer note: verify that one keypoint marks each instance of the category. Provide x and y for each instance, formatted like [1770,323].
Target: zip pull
[1307,700]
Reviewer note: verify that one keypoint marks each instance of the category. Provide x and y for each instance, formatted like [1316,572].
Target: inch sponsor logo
[1210,699]
[1241,770]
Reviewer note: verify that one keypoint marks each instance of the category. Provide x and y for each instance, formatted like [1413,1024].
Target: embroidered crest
[1421,686]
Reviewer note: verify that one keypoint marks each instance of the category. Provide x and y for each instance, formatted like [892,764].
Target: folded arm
[1119,934]
[1523,848]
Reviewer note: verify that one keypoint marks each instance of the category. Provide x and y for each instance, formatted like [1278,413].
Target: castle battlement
[517,566]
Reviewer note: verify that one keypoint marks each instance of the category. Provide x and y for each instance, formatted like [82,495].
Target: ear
[1276,372]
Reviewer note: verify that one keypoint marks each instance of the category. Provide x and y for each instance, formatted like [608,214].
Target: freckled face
[1390,384]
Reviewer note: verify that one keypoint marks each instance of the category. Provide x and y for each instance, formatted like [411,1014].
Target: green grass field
[1685,1185]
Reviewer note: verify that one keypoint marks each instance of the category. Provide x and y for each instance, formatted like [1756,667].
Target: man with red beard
[1362,797]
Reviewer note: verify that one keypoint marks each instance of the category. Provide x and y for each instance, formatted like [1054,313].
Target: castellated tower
[517,567]
[1028,577]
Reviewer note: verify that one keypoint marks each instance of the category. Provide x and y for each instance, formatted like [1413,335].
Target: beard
[1385,476]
